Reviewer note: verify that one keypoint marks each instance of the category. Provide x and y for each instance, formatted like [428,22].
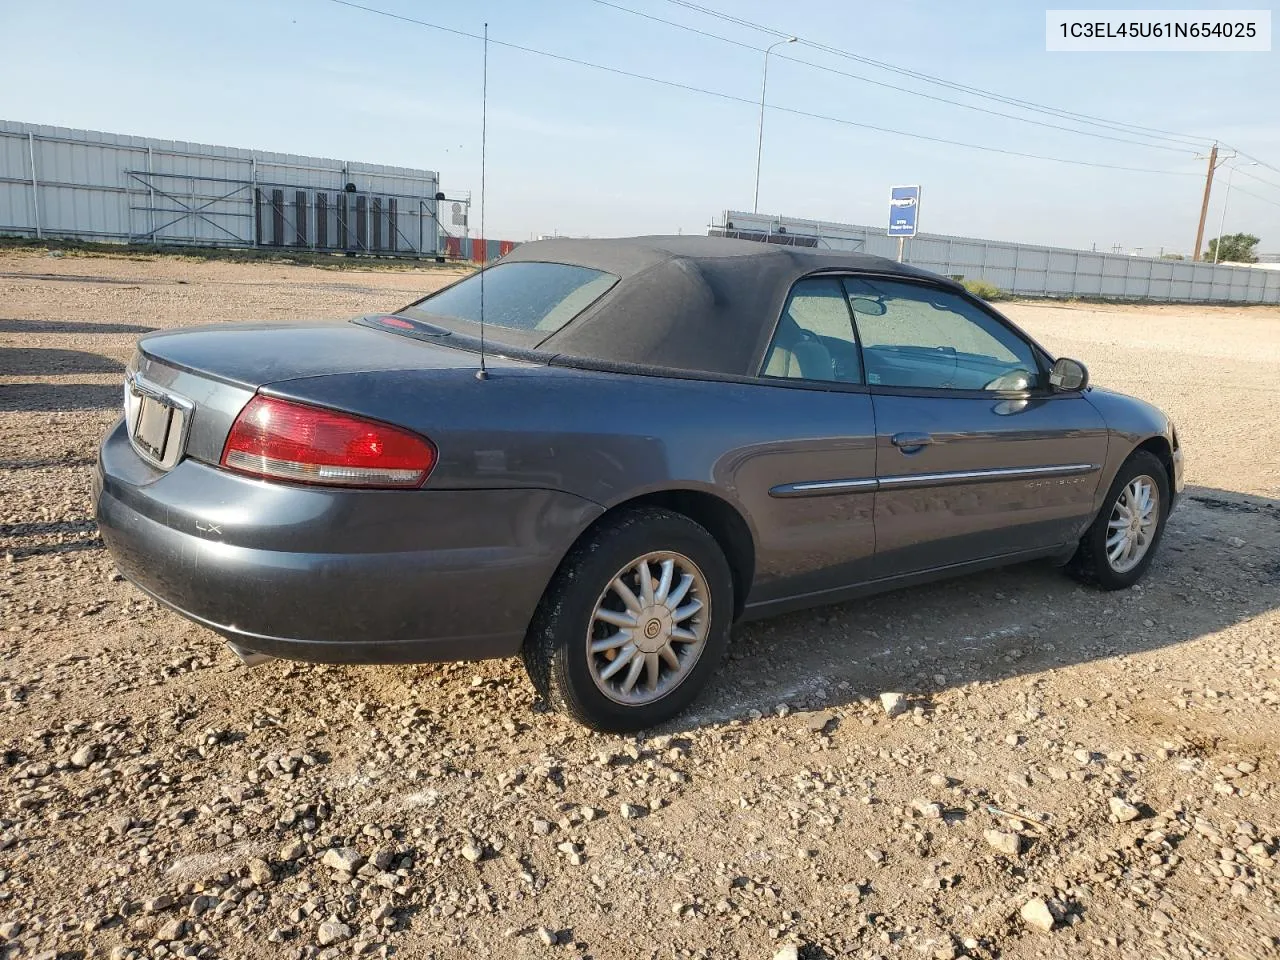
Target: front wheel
[1121,543]
[634,623]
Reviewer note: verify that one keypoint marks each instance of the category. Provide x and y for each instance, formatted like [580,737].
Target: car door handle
[911,442]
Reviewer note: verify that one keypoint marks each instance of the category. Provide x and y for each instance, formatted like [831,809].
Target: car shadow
[46,361]
[1217,566]
[13,325]
[26,397]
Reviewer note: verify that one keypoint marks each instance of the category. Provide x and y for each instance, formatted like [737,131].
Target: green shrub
[983,289]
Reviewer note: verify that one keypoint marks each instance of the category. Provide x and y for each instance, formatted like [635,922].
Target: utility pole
[1204,204]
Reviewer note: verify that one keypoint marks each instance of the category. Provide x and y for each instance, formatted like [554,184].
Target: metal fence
[79,184]
[1022,268]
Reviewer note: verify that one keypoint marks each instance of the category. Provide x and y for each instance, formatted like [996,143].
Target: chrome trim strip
[176,446]
[821,488]
[993,474]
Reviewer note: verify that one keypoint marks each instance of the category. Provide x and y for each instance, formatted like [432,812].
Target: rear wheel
[634,623]
[1121,543]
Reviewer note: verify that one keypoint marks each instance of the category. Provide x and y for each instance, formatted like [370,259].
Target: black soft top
[705,304]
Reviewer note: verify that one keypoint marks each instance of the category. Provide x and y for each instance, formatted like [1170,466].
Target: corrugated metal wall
[81,184]
[1023,268]
[477,249]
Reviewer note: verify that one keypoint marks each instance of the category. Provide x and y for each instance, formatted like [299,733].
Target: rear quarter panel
[610,437]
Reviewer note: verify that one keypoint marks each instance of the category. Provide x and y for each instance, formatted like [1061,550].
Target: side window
[815,338]
[917,336]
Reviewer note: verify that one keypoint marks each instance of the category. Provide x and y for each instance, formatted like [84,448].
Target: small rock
[10,929]
[630,811]
[332,932]
[548,936]
[875,856]
[260,872]
[345,859]
[1235,542]
[472,852]
[543,828]
[1010,844]
[1035,914]
[894,704]
[171,930]
[927,809]
[291,851]
[156,904]
[1122,810]
[789,952]
[83,757]
[819,722]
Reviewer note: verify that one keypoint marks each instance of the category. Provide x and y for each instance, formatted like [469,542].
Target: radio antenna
[482,373]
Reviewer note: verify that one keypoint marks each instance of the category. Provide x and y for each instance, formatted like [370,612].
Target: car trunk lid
[253,354]
[185,388]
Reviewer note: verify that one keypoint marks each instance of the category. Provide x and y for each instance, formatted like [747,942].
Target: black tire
[556,653]
[1091,564]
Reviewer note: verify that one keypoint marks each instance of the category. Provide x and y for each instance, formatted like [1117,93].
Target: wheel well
[721,520]
[1159,446]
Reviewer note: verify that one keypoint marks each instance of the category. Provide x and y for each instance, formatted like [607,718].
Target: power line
[1256,196]
[1119,126]
[1253,176]
[675,84]
[890,86]
[1261,163]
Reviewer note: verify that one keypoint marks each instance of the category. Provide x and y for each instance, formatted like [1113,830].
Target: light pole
[1226,198]
[764,85]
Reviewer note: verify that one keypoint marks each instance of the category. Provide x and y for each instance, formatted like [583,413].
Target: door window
[918,336]
[815,338]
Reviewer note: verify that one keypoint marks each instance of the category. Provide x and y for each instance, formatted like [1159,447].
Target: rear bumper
[335,576]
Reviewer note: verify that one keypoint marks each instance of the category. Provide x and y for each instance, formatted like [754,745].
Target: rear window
[528,297]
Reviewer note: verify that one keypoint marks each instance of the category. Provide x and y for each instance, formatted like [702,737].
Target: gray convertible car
[661,436]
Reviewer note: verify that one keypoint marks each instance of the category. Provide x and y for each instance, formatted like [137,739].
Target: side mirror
[867,306]
[1068,375]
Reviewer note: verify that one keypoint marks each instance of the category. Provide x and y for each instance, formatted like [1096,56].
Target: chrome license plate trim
[157,422]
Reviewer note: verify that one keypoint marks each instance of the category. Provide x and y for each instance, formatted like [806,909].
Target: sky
[584,152]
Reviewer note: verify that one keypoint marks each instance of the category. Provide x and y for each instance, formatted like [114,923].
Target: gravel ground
[836,793]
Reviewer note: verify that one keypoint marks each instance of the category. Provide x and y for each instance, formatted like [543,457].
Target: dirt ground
[159,799]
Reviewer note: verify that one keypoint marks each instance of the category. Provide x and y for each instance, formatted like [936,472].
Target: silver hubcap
[1132,524]
[649,628]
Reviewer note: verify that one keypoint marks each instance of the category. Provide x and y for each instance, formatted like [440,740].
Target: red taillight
[293,441]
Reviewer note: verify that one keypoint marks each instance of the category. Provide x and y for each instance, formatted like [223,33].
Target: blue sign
[904,211]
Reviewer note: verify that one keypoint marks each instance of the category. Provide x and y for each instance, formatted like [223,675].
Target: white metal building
[81,184]
[1023,268]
